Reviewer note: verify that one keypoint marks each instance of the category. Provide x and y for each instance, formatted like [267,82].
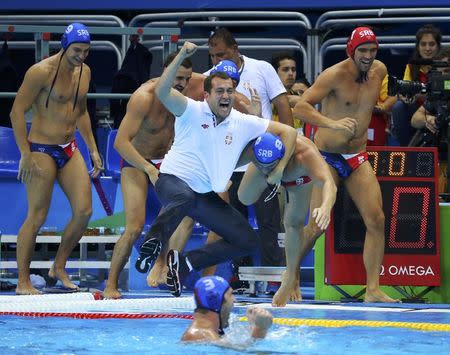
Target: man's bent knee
[376,221]
[83,213]
[134,230]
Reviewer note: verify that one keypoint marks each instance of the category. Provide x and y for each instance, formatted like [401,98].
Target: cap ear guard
[268,148]
[228,67]
[209,293]
[64,41]
[75,33]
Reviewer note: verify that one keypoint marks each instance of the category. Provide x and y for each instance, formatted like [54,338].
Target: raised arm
[174,101]
[33,83]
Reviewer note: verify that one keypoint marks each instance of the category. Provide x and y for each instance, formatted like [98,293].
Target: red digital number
[374,161]
[394,156]
[422,218]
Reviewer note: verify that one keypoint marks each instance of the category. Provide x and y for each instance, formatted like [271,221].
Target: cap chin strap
[362,77]
[273,193]
[54,81]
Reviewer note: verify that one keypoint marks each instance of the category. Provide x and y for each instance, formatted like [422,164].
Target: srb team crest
[228,139]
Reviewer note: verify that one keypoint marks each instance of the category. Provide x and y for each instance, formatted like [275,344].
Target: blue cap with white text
[268,148]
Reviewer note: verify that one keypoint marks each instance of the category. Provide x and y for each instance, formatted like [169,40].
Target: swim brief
[61,153]
[155,162]
[302,180]
[345,164]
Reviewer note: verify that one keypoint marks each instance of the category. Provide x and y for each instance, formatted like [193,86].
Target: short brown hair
[207,84]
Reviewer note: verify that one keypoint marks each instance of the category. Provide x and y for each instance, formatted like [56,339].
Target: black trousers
[179,200]
[269,223]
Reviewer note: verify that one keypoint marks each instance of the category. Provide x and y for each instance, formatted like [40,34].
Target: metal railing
[95,45]
[42,45]
[238,19]
[88,20]
[245,44]
[97,95]
[333,20]
[386,42]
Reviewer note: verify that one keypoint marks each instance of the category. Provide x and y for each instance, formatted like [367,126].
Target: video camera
[437,89]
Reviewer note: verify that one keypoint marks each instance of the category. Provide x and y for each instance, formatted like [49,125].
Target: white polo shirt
[260,75]
[204,154]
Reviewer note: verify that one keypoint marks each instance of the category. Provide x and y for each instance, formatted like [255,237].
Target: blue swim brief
[345,164]
[61,153]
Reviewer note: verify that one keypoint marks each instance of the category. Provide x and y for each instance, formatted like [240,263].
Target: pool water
[54,335]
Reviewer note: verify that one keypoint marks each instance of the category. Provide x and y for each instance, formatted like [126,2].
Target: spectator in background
[300,86]
[433,132]
[428,44]
[285,65]
[378,128]
[8,82]
[134,72]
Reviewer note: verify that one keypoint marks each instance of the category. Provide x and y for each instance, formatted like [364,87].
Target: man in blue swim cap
[214,301]
[305,165]
[56,88]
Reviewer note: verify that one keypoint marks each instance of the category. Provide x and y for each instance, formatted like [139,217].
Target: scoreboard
[408,179]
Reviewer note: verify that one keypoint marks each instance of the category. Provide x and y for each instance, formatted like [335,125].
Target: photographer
[433,130]
[428,44]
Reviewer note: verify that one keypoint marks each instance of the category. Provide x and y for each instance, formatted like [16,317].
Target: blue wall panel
[176,5]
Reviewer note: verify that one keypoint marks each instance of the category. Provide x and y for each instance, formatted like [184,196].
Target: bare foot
[27,289]
[295,294]
[379,296]
[157,274]
[282,295]
[111,293]
[62,276]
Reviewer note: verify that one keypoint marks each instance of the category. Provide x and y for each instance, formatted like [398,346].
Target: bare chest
[351,98]
[67,88]
[158,121]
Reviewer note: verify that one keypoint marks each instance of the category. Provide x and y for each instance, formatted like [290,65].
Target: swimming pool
[22,335]
[61,335]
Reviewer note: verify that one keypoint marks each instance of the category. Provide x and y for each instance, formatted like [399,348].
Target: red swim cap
[360,35]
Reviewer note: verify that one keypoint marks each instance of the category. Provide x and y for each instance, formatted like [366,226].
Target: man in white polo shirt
[209,139]
[260,76]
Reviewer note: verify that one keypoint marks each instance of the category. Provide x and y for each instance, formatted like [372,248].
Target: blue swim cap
[268,148]
[228,67]
[75,33]
[209,292]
